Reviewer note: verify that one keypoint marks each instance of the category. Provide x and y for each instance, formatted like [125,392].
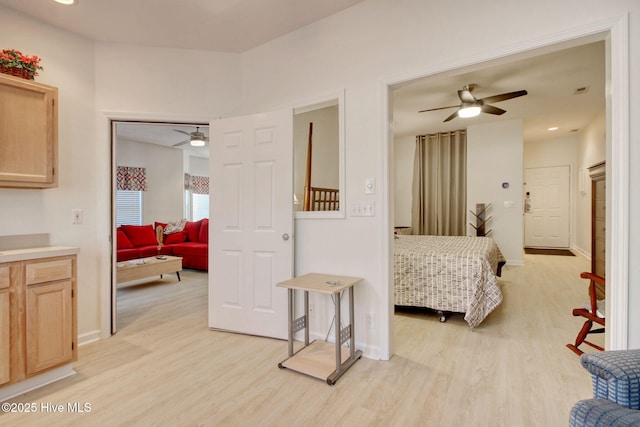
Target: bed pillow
[122,241]
[177,237]
[140,235]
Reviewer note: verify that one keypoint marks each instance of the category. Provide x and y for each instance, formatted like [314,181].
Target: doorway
[162,155]
[617,141]
[546,207]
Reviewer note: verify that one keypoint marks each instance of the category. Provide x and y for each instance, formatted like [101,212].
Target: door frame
[106,207]
[615,33]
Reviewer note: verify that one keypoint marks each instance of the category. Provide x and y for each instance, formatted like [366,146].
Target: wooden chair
[596,292]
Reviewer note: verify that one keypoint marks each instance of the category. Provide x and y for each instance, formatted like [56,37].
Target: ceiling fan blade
[490,109]
[451,117]
[181,131]
[466,96]
[186,141]
[503,97]
[441,108]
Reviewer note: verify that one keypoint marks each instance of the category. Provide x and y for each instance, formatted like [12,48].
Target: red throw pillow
[140,235]
[122,241]
[193,230]
[203,237]
[177,237]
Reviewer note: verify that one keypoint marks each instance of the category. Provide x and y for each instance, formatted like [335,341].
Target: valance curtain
[131,178]
[440,184]
[196,184]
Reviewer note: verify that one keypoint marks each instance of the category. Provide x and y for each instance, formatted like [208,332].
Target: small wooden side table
[315,359]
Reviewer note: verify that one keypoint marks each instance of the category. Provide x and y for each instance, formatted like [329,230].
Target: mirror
[318,150]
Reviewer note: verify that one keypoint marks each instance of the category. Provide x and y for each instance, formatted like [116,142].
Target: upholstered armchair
[616,390]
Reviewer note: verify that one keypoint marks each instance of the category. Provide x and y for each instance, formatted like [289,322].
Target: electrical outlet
[370,320]
[77,216]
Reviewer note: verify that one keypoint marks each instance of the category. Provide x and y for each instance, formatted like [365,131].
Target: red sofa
[140,241]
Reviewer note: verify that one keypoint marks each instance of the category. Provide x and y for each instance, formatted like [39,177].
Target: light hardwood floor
[164,367]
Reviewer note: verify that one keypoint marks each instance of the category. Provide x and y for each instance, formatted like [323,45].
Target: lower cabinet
[39,316]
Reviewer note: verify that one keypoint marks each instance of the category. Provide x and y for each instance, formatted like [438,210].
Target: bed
[448,274]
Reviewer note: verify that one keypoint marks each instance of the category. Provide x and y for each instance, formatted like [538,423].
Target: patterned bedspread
[448,273]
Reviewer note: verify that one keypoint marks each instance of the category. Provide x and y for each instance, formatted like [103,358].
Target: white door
[546,210]
[251,236]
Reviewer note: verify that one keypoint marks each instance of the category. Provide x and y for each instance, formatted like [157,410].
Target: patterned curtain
[196,184]
[131,178]
[440,184]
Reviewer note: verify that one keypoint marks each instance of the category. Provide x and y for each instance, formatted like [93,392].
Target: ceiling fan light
[66,2]
[197,142]
[469,112]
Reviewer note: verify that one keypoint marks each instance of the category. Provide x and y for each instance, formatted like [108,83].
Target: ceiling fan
[471,106]
[196,139]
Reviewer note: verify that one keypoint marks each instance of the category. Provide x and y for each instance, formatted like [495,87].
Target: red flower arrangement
[16,63]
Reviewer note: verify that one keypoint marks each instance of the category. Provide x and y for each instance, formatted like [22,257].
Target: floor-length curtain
[440,184]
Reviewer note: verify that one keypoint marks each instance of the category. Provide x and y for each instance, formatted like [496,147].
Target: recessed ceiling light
[66,2]
[553,128]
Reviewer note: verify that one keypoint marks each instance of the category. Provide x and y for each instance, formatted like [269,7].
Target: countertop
[11,255]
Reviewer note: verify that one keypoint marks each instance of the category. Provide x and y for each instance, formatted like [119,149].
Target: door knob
[285,237]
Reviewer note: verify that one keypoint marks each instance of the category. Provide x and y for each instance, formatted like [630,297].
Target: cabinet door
[49,325]
[28,134]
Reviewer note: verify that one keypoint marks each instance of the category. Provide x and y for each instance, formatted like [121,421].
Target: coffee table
[142,268]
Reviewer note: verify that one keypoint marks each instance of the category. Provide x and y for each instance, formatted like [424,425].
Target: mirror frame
[321,102]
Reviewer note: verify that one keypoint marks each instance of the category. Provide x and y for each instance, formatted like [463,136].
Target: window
[197,197]
[200,206]
[128,207]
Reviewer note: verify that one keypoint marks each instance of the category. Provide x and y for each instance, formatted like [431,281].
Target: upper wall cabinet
[28,133]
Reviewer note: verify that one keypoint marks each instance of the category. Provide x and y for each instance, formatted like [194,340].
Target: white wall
[494,156]
[68,65]
[163,199]
[95,82]
[198,166]
[358,50]
[382,41]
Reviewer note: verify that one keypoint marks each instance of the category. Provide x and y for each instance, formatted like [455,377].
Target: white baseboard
[33,383]
[88,337]
[582,252]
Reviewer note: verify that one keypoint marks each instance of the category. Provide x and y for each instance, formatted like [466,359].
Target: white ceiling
[216,25]
[238,25]
[550,80]
[163,134]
